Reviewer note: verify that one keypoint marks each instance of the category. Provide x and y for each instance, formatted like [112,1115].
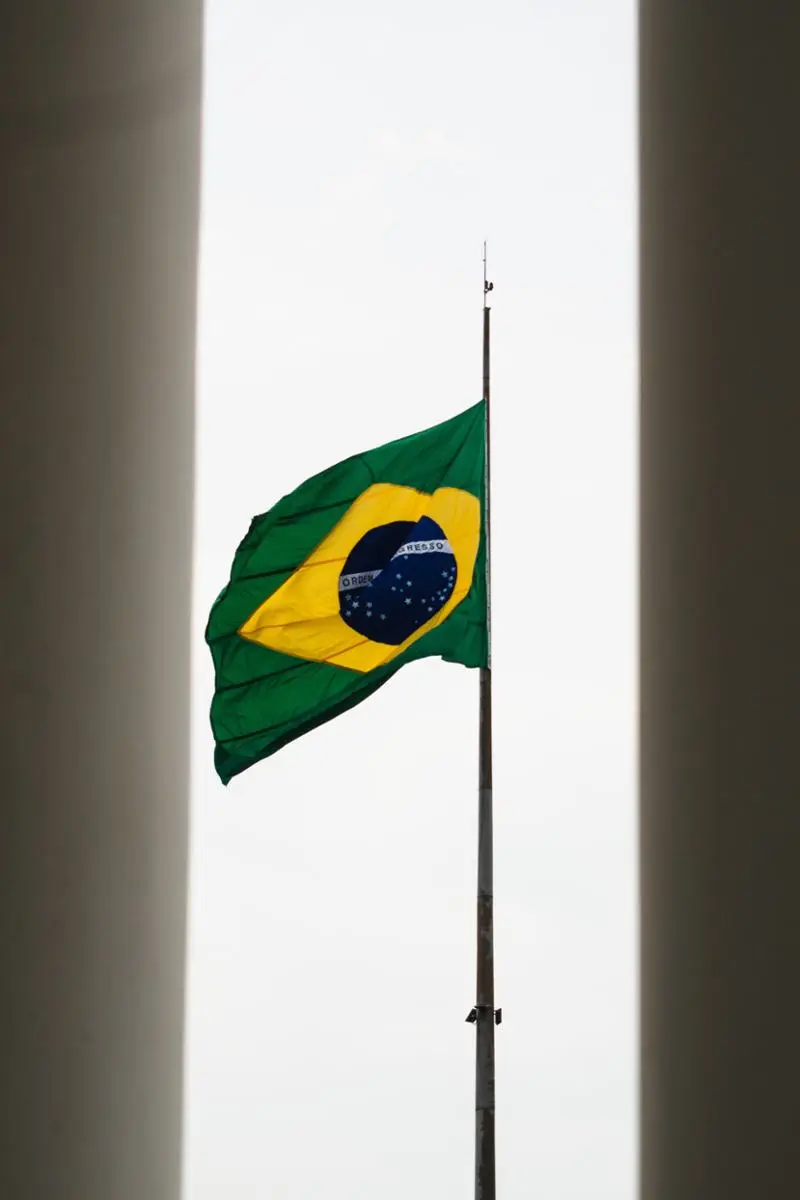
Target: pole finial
[487,286]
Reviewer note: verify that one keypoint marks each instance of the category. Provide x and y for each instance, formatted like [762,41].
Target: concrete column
[99,149]
[720,544]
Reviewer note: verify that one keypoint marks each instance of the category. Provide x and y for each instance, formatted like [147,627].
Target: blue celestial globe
[396,578]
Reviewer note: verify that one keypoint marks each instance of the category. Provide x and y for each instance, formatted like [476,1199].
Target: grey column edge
[720,594]
[100,142]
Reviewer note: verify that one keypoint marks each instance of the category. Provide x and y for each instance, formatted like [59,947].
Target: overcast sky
[356,155]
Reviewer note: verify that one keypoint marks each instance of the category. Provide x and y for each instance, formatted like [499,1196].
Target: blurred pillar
[720,601]
[99,146]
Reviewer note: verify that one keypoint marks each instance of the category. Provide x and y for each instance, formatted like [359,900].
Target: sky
[355,157]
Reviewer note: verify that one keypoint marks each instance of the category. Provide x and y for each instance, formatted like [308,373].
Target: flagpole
[483,1015]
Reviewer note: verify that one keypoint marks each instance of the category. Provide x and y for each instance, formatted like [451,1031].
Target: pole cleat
[472,1015]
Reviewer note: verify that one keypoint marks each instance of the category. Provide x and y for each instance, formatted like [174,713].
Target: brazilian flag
[373,563]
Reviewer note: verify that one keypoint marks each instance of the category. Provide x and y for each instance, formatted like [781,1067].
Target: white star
[444,574]
[369,613]
[347,597]
[408,599]
[398,576]
[355,604]
[394,589]
[429,608]
[383,616]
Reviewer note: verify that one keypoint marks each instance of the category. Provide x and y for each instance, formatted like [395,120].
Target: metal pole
[484,1012]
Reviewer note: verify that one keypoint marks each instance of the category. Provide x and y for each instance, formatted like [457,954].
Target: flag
[365,567]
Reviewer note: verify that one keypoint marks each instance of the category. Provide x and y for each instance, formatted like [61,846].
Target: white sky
[356,155]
